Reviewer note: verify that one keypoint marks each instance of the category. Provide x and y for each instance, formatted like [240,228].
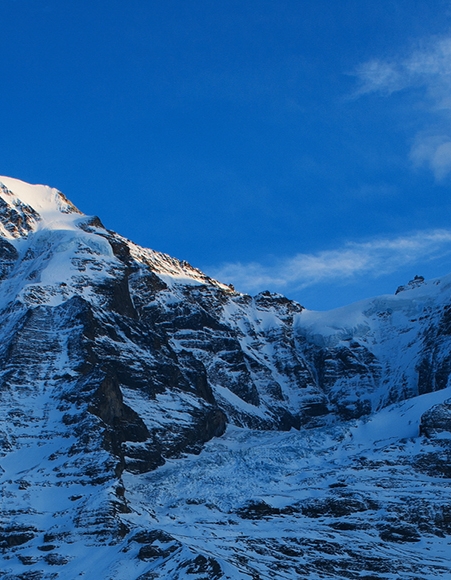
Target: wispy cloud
[428,68]
[433,151]
[372,258]
[428,65]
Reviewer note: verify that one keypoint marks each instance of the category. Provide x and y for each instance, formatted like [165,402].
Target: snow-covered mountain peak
[322,440]
[408,302]
[45,211]
[25,208]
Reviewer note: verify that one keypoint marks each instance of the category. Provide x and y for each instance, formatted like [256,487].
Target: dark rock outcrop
[437,420]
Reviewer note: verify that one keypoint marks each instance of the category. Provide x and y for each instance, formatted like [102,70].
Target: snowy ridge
[154,423]
[171,270]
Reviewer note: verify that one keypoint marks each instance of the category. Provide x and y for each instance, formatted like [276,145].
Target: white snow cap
[55,211]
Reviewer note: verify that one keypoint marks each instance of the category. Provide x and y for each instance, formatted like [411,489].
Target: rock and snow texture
[154,423]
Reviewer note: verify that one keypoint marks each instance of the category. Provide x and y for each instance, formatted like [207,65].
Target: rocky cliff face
[119,364]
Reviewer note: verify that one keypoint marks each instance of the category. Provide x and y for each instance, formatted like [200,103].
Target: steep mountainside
[157,424]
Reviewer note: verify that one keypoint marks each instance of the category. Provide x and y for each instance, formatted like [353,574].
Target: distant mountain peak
[414,283]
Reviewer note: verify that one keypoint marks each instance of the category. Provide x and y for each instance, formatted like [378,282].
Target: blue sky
[298,146]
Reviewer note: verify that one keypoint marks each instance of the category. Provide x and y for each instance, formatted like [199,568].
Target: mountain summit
[157,424]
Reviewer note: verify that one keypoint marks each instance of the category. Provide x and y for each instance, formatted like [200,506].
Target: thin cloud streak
[370,259]
[427,68]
